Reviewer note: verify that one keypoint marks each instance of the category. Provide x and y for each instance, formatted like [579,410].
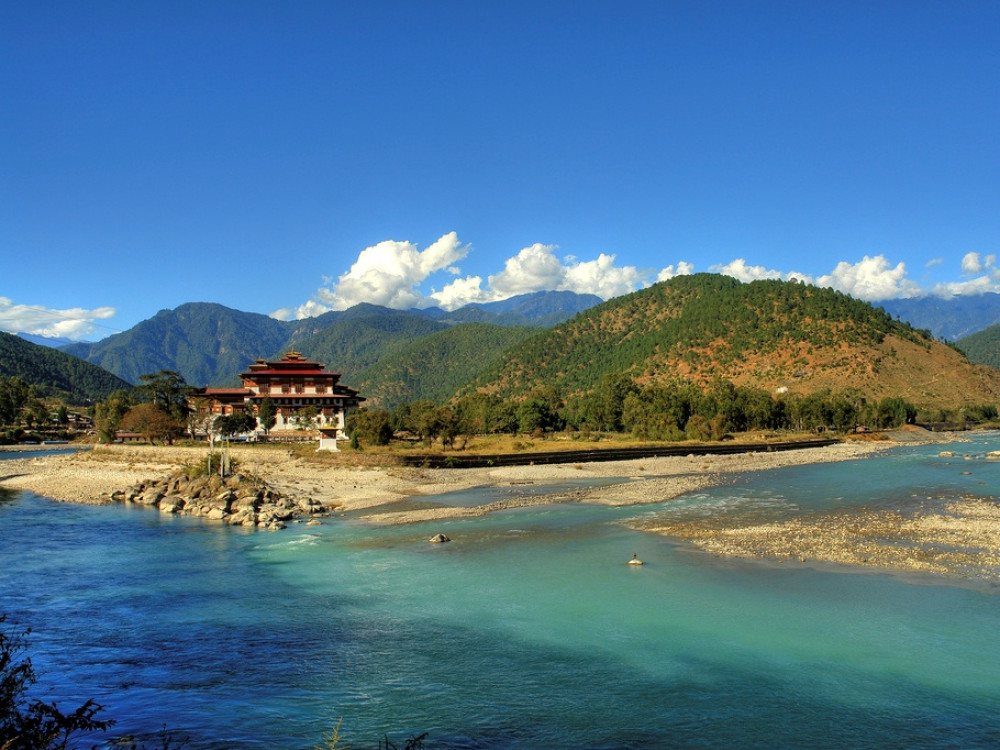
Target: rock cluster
[237,500]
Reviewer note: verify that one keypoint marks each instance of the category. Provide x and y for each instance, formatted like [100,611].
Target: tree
[228,425]
[167,390]
[14,394]
[35,413]
[267,414]
[152,422]
[306,417]
[370,425]
[235,424]
[109,413]
[27,724]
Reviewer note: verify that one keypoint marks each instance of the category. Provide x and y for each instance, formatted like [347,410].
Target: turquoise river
[526,631]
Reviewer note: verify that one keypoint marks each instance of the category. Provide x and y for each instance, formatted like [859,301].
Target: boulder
[172,504]
[152,496]
[439,539]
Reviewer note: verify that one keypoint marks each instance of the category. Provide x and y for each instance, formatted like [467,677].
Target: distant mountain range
[209,344]
[770,334]
[948,319]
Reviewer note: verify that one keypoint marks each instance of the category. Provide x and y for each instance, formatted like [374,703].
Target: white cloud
[396,274]
[533,269]
[385,274]
[871,279]
[73,323]
[390,274]
[536,268]
[978,285]
[971,264]
[683,268]
[974,263]
[461,292]
[739,269]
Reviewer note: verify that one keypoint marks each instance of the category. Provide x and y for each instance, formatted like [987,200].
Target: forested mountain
[206,343]
[436,366]
[769,334]
[55,373]
[360,336]
[209,344]
[948,319]
[983,348]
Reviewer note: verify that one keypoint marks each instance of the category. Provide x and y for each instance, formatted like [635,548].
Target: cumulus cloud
[537,268]
[386,274]
[683,268]
[974,263]
[986,280]
[871,278]
[391,274]
[73,323]
[397,275]
[739,269]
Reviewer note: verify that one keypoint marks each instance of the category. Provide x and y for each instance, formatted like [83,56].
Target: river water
[526,631]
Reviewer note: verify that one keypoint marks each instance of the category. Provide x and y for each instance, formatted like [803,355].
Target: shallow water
[527,631]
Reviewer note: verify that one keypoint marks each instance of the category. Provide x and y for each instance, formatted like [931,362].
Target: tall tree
[14,394]
[267,414]
[167,390]
[152,422]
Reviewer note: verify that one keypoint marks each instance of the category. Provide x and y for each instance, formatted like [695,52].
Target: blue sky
[289,158]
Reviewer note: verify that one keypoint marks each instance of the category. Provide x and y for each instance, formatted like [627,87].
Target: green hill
[783,336]
[55,373]
[357,338]
[436,366]
[983,348]
[209,344]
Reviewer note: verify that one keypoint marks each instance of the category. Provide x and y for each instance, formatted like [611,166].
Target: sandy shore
[90,475]
[959,538]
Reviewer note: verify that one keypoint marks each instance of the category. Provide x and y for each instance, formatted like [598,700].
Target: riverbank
[941,534]
[92,475]
[959,538]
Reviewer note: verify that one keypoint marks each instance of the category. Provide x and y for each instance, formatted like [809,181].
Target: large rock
[172,504]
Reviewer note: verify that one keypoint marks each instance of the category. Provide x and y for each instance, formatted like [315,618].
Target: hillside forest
[698,357]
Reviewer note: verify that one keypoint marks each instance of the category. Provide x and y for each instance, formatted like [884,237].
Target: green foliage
[372,426]
[108,414]
[55,373]
[14,395]
[167,390]
[152,422]
[983,348]
[705,320]
[27,724]
[238,423]
[436,365]
[267,414]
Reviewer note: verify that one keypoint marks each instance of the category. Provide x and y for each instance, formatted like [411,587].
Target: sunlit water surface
[526,631]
